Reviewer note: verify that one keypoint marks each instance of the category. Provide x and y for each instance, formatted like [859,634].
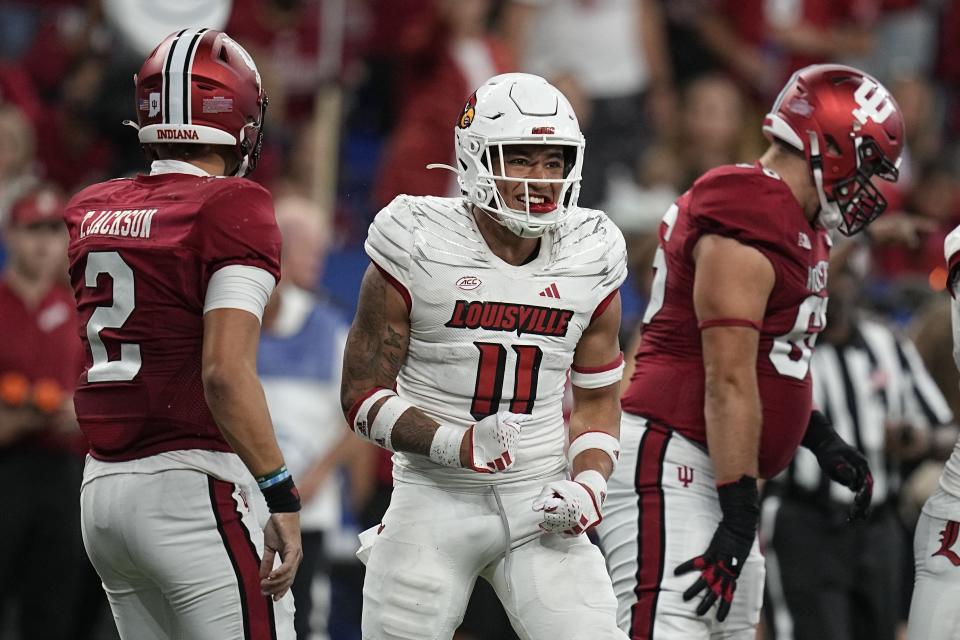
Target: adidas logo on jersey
[506,316]
[551,291]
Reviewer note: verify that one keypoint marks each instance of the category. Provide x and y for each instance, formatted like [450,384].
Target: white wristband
[597,377]
[597,484]
[594,440]
[382,428]
[445,448]
[361,426]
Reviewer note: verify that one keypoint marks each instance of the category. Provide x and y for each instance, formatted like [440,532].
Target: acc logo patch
[469,112]
[469,283]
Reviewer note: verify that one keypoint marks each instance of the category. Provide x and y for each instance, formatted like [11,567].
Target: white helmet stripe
[177,76]
[165,85]
[187,73]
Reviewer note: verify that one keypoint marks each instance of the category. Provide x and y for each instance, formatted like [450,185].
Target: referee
[827,579]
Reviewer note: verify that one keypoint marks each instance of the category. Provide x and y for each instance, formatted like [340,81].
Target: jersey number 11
[490,371]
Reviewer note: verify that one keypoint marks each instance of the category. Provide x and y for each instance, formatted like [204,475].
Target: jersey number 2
[489,385]
[127,366]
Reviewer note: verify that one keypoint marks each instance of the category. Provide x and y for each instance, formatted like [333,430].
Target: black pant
[313,563]
[42,560]
[832,580]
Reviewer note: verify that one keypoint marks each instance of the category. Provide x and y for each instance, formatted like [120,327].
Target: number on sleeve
[112,317]
[490,373]
[791,352]
[658,288]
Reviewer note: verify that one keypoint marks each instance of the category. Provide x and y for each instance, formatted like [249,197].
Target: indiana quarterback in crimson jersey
[142,252]
[669,356]
[721,393]
[171,272]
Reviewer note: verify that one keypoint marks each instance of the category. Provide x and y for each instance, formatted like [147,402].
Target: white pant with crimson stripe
[179,555]
[661,510]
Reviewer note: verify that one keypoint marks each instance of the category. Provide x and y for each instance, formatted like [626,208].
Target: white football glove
[494,441]
[569,508]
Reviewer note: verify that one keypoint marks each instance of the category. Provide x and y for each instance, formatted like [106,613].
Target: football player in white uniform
[934,614]
[471,315]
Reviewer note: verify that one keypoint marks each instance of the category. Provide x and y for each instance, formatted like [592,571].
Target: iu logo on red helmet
[200,86]
[850,129]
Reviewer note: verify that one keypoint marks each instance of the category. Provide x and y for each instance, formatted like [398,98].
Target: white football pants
[935,606]
[662,510]
[423,560]
[179,556]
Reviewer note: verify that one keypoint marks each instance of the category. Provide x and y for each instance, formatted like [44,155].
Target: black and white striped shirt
[874,379]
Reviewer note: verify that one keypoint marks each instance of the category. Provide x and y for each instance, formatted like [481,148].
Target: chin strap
[440,165]
[830,216]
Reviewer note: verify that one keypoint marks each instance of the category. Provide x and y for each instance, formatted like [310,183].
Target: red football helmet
[850,129]
[199,86]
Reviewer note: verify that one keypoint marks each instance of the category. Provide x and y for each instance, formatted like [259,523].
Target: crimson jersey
[142,251]
[753,206]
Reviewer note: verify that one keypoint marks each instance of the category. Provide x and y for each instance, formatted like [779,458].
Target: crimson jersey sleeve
[237,225]
[749,207]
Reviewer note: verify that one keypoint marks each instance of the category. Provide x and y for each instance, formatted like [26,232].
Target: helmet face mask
[524,221]
[857,198]
[200,87]
[850,129]
[524,110]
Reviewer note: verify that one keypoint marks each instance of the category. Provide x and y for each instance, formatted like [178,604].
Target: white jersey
[485,335]
[950,479]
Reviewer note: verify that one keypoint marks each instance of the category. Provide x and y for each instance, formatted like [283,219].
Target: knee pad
[412,591]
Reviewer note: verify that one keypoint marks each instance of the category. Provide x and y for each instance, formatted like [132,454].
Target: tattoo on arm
[376,350]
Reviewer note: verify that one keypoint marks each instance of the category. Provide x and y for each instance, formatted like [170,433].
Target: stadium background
[364,93]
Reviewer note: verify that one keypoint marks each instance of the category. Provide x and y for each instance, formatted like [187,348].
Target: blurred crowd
[365,93]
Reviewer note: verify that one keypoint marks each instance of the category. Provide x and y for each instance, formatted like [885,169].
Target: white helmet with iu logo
[516,109]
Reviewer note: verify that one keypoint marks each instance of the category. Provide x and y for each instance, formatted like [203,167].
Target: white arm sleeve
[238,286]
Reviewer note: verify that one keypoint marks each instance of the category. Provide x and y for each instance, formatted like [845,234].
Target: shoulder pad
[421,232]
[747,204]
[588,243]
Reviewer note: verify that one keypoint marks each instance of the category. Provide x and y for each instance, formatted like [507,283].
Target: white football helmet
[516,108]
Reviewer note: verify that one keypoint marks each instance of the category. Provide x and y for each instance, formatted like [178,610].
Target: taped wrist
[740,504]
[380,430]
[279,491]
[819,431]
[594,439]
[445,448]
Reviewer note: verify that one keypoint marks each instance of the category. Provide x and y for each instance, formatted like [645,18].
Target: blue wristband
[273,478]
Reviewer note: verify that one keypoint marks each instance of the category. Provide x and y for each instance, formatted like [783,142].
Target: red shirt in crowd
[41,344]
